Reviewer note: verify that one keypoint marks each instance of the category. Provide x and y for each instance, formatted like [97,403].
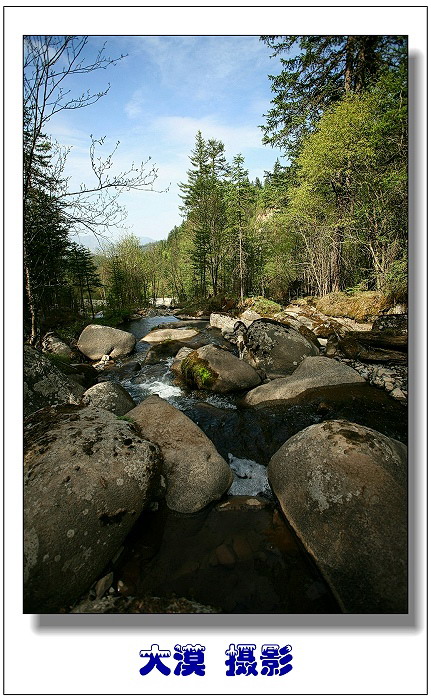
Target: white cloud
[182,130]
[133,107]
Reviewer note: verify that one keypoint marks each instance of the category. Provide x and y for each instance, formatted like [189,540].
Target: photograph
[215,320]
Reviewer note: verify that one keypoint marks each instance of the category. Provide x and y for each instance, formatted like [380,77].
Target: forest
[333,216]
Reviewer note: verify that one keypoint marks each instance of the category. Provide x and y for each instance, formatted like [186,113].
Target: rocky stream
[282,490]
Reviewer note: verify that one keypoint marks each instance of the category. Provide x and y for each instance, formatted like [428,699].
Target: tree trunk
[31,304]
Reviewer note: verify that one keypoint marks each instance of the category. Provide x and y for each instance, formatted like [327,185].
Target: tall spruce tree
[319,72]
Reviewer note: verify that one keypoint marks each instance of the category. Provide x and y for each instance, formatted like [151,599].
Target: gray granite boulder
[88,475]
[96,341]
[45,384]
[343,489]
[212,368]
[195,472]
[276,348]
[312,372]
[110,396]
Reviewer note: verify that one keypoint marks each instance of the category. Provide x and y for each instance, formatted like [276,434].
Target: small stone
[104,584]
[242,548]
[225,556]
[398,394]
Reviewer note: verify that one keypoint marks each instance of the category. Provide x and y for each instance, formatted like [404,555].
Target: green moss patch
[197,372]
[262,306]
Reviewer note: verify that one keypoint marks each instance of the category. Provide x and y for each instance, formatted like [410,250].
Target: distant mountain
[95,244]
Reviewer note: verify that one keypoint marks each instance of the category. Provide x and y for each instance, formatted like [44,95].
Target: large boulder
[343,489]
[312,372]
[195,472]
[276,348]
[110,396]
[212,368]
[166,334]
[45,384]
[88,475]
[96,341]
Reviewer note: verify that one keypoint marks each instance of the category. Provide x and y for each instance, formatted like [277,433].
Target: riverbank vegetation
[332,217]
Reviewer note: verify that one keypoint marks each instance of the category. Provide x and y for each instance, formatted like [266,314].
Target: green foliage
[113,317]
[197,372]
[320,71]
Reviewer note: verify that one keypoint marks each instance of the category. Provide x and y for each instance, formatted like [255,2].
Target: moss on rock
[197,372]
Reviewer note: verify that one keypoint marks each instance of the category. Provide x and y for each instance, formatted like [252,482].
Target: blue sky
[162,93]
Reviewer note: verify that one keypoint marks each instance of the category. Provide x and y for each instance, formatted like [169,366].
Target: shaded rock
[179,357]
[369,347]
[195,473]
[276,348]
[342,488]
[54,346]
[45,384]
[167,334]
[87,373]
[312,372]
[396,324]
[125,371]
[96,341]
[210,367]
[88,475]
[110,396]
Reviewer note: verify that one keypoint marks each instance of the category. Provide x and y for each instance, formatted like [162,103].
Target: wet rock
[167,334]
[88,475]
[126,371]
[342,487]
[276,348]
[110,396]
[396,324]
[312,372]
[45,384]
[87,373]
[213,368]
[96,341]
[195,473]
[224,555]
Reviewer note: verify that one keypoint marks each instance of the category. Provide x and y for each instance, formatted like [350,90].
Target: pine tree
[319,72]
